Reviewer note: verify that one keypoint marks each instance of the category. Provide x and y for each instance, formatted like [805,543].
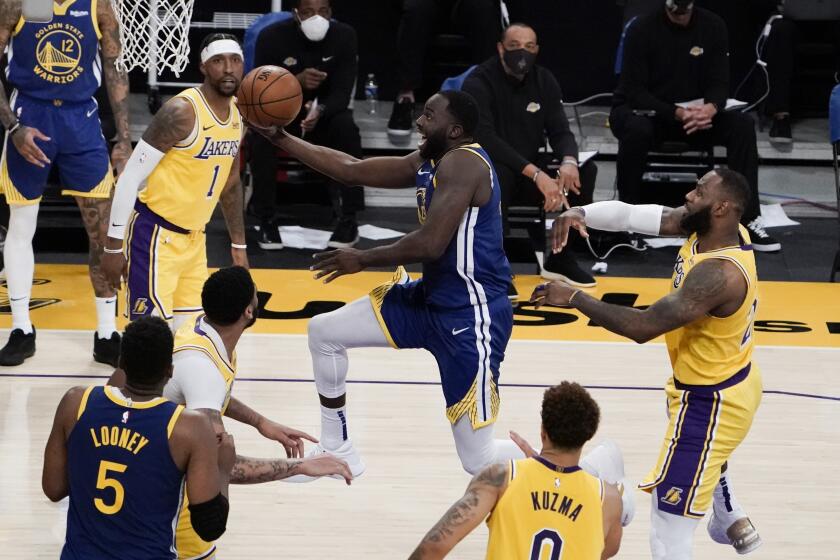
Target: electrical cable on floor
[613,248]
[799,200]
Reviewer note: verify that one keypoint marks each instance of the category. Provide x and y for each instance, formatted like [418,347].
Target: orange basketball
[269,95]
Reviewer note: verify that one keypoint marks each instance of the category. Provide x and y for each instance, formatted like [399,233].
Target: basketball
[269,95]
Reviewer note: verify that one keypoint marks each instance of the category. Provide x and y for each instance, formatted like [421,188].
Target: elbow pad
[209,519]
[140,165]
[613,215]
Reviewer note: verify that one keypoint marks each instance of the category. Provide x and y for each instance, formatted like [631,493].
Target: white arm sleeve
[613,215]
[140,165]
[198,380]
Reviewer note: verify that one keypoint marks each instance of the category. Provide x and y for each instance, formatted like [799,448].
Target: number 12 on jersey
[549,541]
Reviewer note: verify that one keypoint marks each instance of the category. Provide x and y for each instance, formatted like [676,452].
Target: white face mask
[315,28]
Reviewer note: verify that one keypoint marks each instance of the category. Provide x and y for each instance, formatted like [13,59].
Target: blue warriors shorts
[706,424]
[468,344]
[167,266]
[76,146]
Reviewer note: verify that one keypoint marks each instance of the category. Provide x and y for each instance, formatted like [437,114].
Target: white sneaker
[607,463]
[346,453]
[742,534]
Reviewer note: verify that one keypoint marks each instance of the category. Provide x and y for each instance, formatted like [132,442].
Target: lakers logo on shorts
[141,306]
[58,53]
[672,496]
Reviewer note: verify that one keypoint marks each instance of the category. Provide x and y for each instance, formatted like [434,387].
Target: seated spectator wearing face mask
[322,54]
[521,104]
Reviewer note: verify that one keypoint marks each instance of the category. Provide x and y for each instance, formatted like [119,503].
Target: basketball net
[154,34]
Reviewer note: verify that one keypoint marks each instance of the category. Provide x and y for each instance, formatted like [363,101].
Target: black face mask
[519,61]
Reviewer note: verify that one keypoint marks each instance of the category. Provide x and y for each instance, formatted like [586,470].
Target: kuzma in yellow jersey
[550,505]
[189,156]
[707,319]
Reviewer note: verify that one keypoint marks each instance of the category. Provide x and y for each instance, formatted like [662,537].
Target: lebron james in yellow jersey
[707,319]
[189,157]
[545,507]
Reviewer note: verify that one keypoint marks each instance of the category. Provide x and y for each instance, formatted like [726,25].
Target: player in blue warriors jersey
[127,458]
[51,118]
[707,320]
[547,506]
[458,311]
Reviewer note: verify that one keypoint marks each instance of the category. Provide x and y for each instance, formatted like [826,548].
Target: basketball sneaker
[19,347]
[761,240]
[107,350]
[563,266]
[606,462]
[346,233]
[401,122]
[346,453]
[270,236]
[742,534]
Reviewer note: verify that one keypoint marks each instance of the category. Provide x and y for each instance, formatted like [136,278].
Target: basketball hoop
[154,34]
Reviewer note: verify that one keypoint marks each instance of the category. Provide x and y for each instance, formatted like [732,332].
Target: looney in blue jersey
[459,311]
[474,269]
[125,489]
[58,60]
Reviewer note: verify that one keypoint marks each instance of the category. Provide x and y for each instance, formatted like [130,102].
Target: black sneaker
[780,132]
[563,266]
[270,236]
[107,350]
[402,118]
[761,240]
[19,347]
[346,234]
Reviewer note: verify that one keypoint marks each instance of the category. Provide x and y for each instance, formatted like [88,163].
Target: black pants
[338,132]
[779,56]
[518,190]
[478,20]
[637,135]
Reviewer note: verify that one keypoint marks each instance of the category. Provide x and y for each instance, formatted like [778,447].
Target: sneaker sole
[17,363]
[270,246]
[750,547]
[399,132]
[342,245]
[768,248]
[101,360]
[548,275]
[781,139]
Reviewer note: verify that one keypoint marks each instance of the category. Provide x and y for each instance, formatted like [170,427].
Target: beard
[699,222]
[224,88]
[434,146]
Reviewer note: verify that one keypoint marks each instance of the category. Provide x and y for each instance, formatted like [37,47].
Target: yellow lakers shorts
[189,545]
[706,424]
[167,266]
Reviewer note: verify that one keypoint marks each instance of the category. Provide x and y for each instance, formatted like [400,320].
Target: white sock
[20,313]
[333,427]
[106,316]
[727,508]
[20,262]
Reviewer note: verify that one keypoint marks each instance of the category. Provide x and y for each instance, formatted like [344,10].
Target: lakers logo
[673,496]
[678,272]
[141,306]
[421,204]
[59,52]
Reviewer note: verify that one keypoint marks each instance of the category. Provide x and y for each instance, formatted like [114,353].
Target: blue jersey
[125,489]
[58,60]
[474,269]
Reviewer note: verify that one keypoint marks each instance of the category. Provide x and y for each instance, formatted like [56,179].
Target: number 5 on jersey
[103,482]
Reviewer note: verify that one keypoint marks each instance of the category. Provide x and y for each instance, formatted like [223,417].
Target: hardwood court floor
[785,474]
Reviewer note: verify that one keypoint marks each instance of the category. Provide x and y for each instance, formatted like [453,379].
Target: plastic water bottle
[371,94]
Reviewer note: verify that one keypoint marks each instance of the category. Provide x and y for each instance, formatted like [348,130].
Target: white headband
[222,46]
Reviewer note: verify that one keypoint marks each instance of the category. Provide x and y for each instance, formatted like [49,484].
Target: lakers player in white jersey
[707,320]
[546,506]
[189,157]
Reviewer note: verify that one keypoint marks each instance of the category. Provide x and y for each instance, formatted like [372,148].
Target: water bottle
[371,94]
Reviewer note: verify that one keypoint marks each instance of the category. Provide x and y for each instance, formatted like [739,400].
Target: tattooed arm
[478,501]
[233,202]
[250,470]
[116,81]
[714,286]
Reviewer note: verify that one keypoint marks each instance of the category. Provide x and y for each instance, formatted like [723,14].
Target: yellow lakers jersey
[547,512]
[712,349]
[190,336]
[185,186]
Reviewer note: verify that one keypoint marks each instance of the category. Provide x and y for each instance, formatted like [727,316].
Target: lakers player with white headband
[189,159]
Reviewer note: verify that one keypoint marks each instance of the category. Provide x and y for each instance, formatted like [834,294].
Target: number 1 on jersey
[213,182]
